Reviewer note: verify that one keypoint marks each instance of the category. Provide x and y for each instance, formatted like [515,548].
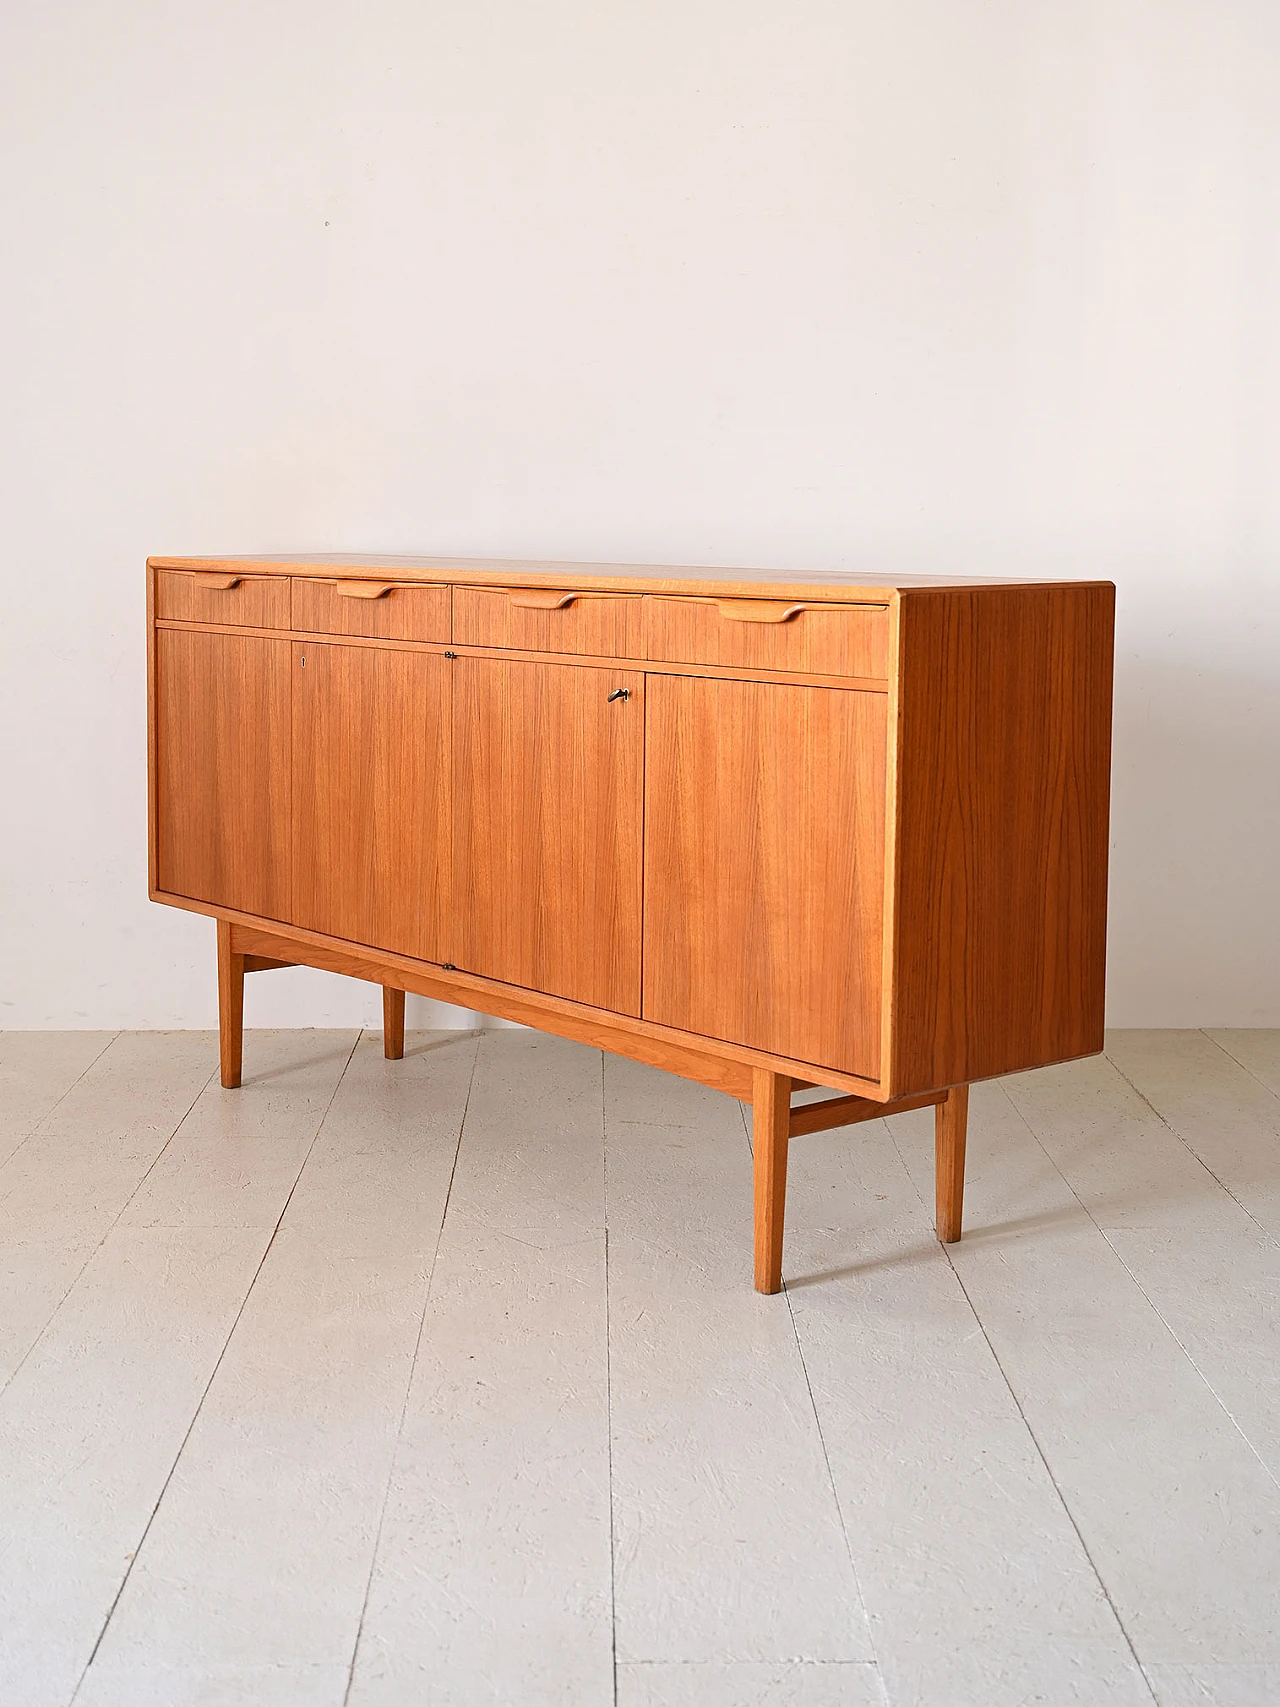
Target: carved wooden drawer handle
[759,610]
[363,589]
[753,610]
[532,599]
[213,582]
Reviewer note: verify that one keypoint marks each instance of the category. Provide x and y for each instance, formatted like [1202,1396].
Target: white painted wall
[973,284]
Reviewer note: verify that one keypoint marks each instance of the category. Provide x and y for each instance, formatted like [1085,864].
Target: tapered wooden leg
[951,1119]
[230,1007]
[392,1023]
[770,1130]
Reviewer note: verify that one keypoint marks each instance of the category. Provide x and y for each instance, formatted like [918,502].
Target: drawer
[769,634]
[207,595]
[383,610]
[540,619]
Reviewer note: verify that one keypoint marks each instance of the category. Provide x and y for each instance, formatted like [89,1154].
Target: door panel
[764,866]
[371,795]
[547,828]
[222,769]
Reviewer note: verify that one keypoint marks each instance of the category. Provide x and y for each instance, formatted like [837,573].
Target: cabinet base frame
[727,1065]
[248,948]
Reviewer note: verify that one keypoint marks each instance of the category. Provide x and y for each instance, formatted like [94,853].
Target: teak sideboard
[768,832]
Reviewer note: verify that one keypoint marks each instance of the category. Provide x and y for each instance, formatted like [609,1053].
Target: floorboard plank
[89,1429]
[1081,1393]
[63,1188]
[1209,1270]
[492,1578]
[251,1579]
[1216,1685]
[140,1330]
[1222,1113]
[976,1583]
[1257,1051]
[1154,1472]
[711,1683]
[721,1488]
[37,1069]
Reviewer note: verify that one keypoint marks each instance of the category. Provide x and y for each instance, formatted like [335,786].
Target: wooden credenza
[760,830]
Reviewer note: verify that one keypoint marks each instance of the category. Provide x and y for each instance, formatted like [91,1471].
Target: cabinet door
[222,769]
[764,866]
[547,828]
[370,795]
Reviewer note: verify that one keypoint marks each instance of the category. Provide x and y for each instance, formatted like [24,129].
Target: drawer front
[246,601]
[536,619]
[382,610]
[769,634]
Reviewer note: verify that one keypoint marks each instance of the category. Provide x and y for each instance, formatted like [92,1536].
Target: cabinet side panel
[764,866]
[222,746]
[1001,832]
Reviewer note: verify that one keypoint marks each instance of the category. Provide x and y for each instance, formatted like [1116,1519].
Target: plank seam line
[1195,1156]
[98,1244]
[213,1374]
[1053,1482]
[1155,1309]
[408,1386]
[874,1662]
[55,1106]
[1244,1068]
[1035,1439]
[1031,1433]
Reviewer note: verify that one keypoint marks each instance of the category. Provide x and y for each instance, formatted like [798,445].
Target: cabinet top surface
[836,585]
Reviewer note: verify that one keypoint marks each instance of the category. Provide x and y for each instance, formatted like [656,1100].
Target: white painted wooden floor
[443,1382]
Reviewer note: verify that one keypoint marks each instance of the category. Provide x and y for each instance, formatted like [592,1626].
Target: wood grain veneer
[250,601]
[764,866]
[548,801]
[789,634]
[396,611]
[999,856]
[222,717]
[371,796]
